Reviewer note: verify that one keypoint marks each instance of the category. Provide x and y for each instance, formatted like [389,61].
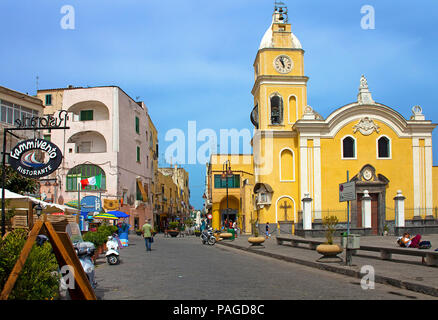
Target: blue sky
[192,60]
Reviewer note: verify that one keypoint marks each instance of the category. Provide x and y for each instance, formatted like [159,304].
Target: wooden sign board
[65,255]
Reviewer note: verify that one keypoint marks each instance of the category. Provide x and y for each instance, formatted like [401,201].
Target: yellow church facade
[300,157]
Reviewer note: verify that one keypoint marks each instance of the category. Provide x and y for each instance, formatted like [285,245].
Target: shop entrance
[136,223]
[231,216]
[231,213]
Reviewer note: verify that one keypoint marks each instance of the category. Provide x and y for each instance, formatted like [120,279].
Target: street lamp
[226,174]
[38,210]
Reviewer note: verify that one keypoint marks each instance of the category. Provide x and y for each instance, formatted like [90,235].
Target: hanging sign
[111,204]
[23,158]
[91,204]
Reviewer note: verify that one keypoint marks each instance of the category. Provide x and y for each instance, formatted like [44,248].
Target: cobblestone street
[184,269]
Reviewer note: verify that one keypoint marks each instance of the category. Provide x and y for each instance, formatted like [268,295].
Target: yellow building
[240,186]
[300,157]
[172,195]
[152,165]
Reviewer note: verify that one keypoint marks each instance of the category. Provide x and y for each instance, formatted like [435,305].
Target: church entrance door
[374,212]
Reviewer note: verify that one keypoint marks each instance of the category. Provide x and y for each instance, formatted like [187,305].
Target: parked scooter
[84,250]
[207,236]
[112,253]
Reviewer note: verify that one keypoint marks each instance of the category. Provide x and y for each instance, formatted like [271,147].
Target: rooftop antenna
[37,84]
[281,8]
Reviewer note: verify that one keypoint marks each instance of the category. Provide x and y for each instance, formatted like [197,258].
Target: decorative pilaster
[307,212]
[366,210]
[399,206]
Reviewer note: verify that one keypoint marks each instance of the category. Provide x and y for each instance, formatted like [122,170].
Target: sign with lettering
[23,158]
[91,204]
[46,122]
[347,191]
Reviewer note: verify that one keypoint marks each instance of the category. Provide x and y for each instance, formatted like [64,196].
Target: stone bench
[295,242]
[387,252]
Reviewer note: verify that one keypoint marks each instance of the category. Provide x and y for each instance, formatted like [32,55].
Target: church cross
[285,206]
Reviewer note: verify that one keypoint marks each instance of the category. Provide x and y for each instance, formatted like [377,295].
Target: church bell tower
[280,88]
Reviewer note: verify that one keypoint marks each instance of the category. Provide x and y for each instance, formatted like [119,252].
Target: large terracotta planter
[173,233]
[329,252]
[256,241]
[226,235]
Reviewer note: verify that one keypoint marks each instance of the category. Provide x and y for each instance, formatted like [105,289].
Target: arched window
[287,167]
[82,172]
[276,110]
[292,109]
[383,147]
[348,148]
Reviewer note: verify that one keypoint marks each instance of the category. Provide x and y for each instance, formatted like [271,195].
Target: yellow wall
[398,170]
[283,189]
[57,98]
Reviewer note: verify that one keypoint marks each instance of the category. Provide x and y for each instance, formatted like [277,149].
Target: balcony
[88,142]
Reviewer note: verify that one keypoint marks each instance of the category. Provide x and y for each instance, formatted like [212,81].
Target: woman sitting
[407,241]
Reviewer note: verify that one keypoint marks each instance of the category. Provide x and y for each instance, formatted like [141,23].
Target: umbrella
[106,216]
[119,214]
[73,204]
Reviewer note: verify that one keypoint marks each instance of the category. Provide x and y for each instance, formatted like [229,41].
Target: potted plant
[329,250]
[173,229]
[256,240]
[385,229]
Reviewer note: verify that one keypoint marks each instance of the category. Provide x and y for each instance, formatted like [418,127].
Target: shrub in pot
[256,240]
[173,228]
[39,278]
[329,250]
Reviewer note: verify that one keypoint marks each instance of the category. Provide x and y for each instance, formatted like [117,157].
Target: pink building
[108,136]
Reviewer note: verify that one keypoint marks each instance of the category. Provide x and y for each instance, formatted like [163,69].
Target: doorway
[231,216]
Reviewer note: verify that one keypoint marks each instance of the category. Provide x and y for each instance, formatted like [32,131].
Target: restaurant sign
[23,158]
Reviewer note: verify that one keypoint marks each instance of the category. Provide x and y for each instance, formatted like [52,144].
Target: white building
[108,135]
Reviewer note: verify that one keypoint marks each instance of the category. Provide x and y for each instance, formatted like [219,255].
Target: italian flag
[92,181]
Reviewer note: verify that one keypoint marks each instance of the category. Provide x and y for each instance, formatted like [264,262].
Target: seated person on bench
[407,241]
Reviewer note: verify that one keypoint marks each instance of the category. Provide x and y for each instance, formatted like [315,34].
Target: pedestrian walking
[147,234]
[235,229]
[267,230]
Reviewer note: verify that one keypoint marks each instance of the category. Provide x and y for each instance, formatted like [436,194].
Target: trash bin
[233,233]
[353,241]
